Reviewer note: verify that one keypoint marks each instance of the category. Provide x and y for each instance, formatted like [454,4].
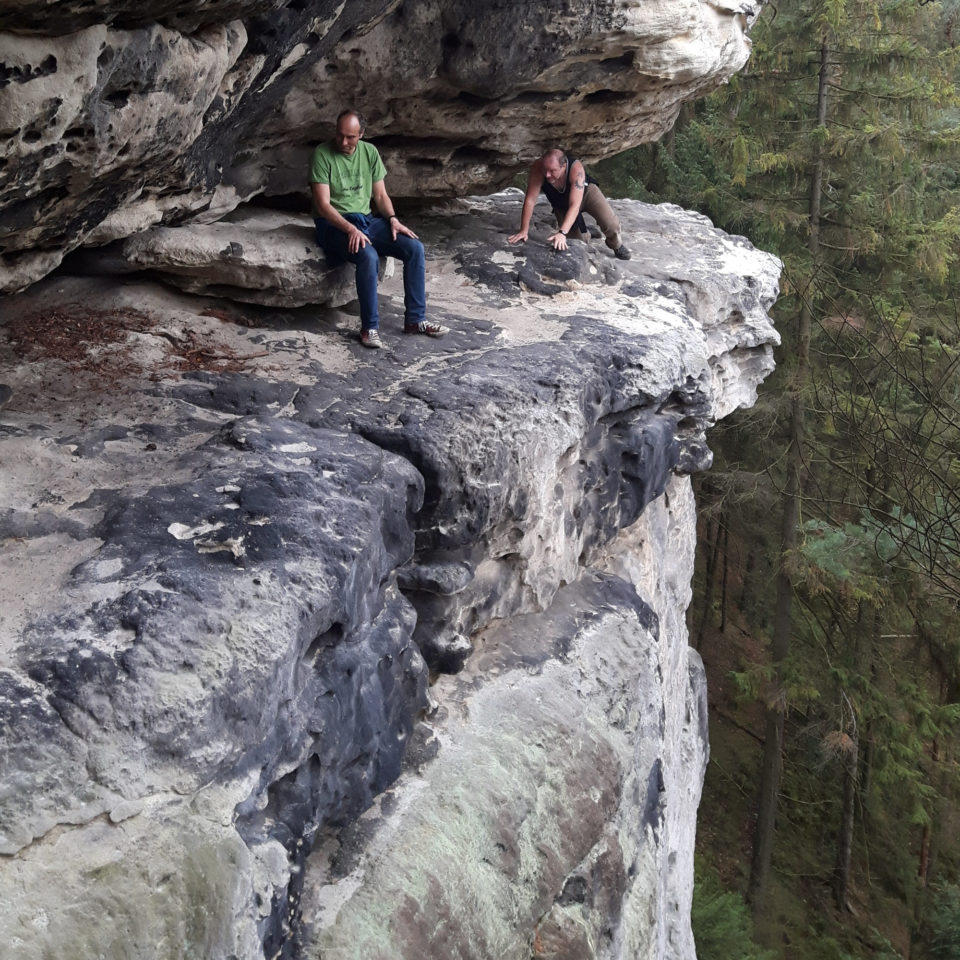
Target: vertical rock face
[551,821]
[117,116]
[311,651]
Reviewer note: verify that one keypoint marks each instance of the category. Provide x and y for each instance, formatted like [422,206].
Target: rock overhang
[120,117]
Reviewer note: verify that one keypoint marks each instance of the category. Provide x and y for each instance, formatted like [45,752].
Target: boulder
[253,256]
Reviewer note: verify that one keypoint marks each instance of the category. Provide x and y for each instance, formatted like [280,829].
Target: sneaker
[371,338]
[429,328]
[622,253]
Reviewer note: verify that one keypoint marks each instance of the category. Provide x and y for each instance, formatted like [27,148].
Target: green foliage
[943,923]
[874,665]
[845,558]
[722,927]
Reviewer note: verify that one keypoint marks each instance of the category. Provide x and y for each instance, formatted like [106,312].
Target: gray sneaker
[622,253]
[371,339]
[429,328]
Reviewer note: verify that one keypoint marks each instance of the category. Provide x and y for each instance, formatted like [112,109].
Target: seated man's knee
[367,257]
[411,249]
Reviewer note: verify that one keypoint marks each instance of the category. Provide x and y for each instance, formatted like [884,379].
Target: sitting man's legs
[409,251]
[366,260]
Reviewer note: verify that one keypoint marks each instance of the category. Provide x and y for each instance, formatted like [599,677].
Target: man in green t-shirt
[345,175]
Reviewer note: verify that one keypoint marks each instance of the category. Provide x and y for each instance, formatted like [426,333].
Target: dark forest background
[828,583]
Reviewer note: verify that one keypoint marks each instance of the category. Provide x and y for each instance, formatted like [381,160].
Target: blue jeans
[367,259]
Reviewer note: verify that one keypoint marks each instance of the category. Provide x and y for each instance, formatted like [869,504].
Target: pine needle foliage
[874,664]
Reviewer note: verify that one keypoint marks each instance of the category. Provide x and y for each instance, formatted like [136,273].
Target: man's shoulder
[370,152]
[321,164]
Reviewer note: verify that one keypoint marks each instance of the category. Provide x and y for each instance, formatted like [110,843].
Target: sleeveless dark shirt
[560,199]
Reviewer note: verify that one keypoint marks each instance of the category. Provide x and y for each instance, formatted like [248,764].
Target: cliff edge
[307,650]
[313,651]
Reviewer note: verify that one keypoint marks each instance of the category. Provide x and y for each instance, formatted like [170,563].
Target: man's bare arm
[385,206]
[534,186]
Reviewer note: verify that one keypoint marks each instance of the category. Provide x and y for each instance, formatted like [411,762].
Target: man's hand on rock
[558,240]
[397,227]
[357,240]
[518,237]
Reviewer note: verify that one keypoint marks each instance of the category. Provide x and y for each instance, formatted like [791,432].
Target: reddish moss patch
[98,342]
[71,333]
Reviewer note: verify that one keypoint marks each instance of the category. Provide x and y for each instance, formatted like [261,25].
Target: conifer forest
[827,601]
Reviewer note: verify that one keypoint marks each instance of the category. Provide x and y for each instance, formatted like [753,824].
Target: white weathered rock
[100,114]
[565,752]
[497,86]
[256,256]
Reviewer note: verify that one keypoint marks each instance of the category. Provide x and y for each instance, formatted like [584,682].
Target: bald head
[555,167]
[356,114]
[350,126]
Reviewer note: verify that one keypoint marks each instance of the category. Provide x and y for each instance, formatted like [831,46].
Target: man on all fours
[571,193]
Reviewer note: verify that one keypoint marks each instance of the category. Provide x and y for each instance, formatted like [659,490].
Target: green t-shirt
[351,178]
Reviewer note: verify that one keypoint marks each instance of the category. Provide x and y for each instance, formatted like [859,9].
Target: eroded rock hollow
[116,116]
[312,652]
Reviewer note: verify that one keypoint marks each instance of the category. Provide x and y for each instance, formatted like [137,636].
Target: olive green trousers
[595,204]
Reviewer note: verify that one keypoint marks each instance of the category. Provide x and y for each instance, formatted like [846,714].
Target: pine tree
[838,149]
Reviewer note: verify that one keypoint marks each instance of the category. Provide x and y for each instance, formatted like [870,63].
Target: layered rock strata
[118,116]
[237,547]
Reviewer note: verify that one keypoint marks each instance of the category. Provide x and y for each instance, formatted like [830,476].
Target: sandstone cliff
[307,651]
[224,589]
[119,115]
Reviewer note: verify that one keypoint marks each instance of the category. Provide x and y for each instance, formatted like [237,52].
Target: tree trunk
[670,140]
[747,586]
[924,859]
[782,627]
[923,866]
[724,525]
[841,872]
[713,548]
[866,772]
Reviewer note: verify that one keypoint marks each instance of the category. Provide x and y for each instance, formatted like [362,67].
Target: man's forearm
[526,215]
[382,199]
[573,211]
[333,217]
